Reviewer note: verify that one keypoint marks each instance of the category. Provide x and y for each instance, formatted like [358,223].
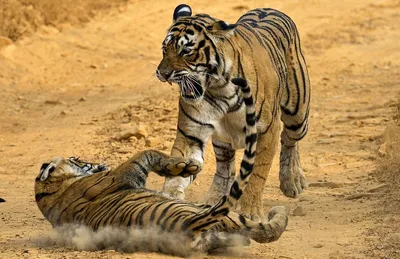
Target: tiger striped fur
[72,191]
[201,54]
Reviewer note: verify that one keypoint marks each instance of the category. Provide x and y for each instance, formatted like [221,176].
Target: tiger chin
[202,54]
[71,191]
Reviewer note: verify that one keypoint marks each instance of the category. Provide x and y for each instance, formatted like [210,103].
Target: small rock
[359,123]
[87,123]
[53,102]
[126,135]
[299,211]
[4,41]
[319,245]
[152,142]
[141,132]
[63,113]
[2,200]
[382,151]
[304,198]
[124,151]
[82,99]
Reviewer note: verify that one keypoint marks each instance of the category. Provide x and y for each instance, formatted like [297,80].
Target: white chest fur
[229,129]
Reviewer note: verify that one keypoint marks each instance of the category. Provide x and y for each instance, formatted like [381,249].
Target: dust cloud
[130,240]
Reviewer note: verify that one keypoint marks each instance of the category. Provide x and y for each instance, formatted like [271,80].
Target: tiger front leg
[179,166]
[225,173]
[191,148]
[135,171]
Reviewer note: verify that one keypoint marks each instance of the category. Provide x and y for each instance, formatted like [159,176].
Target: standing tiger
[72,191]
[201,54]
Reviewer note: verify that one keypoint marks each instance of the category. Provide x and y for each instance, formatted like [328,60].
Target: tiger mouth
[190,88]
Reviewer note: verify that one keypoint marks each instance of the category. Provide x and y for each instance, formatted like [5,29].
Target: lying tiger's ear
[46,170]
[182,10]
[222,28]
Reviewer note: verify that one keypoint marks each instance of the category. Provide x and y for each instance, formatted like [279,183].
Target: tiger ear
[221,27]
[182,10]
[45,171]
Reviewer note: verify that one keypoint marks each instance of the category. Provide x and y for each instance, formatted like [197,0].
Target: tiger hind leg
[295,108]
[237,230]
[225,173]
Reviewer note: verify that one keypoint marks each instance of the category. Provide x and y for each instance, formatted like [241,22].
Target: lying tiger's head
[66,168]
[191,57]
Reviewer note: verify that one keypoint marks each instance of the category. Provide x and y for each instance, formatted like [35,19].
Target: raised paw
[179,166]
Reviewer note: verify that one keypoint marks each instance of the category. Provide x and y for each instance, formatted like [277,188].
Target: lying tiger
[72,191]
[201,54]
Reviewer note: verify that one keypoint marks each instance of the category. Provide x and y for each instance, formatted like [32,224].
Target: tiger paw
[251,207]
[292,187]
[291,176]
[179,166]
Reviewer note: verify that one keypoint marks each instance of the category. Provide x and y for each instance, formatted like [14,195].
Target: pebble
[382,151]
[319,245]
[299,211]
[4,41]
[53,102]
[126,135]
[304,198]
[152,142]
[141,132]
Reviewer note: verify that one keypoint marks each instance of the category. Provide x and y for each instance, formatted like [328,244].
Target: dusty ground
[72,91]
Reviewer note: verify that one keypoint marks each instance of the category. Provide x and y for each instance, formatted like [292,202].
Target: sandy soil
[73,91]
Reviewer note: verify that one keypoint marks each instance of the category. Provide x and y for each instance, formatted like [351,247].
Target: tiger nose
[167,74]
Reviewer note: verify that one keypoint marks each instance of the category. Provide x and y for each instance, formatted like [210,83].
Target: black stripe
[235,191]
[249,154]
[205,225]
[249,100]
[142,168]
[193,119]
[153,213]
[165,211]
[198,141]
[246,166]
[251,119]
[41,195]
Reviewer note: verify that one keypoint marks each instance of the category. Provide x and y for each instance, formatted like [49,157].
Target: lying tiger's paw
[179,166]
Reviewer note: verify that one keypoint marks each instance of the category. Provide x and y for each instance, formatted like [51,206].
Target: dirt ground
[72,90]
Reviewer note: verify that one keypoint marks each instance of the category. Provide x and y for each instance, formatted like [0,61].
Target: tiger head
[65,168]
[192,53]
[59,170]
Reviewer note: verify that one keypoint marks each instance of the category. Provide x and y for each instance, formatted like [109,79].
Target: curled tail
[228,202]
